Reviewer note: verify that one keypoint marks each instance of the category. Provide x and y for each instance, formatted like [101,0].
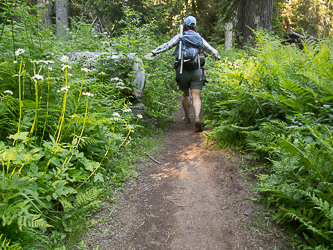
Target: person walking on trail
[190,74]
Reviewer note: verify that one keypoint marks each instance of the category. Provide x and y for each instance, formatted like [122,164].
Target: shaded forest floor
[195,198]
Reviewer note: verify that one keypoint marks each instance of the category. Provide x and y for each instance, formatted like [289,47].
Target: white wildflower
[19,52]
[115,79]
[8,92]
[41,62]
[50,68]
[130,104]
[127,110]
[96,36]
[64,89]
[139,116]
[37,77]
[116,114]
[49,62]
[85,70]
[102,73]
[65,67]
[33,61]
[70,74]
[105,33]
[87,94]
[14,62]
[120,83]
[64,59]
[105,43]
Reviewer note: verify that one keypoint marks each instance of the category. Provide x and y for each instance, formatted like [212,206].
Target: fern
[89,197]
[277,103]
[5,244]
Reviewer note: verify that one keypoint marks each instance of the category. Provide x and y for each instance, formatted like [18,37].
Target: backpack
[191,46]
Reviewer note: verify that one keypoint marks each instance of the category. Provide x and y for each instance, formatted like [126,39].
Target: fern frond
[66,204]
[88,196]
[5,244]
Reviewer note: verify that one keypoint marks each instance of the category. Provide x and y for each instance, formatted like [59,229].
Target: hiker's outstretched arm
[166,46]
[210,50]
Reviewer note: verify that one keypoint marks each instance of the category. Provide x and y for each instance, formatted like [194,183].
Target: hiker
[189,73]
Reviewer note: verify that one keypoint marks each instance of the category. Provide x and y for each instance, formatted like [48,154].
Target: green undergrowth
[69,134]
[274,101]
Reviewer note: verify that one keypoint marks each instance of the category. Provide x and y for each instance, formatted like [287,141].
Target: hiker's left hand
[149,54]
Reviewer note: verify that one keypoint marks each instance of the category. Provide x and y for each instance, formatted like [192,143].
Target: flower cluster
[37,77]
[19,52]
[115,79]
[139,116]
[64,89]
[42,62]
[8,92]
[65,67]
[105,43]
[116,114]
[87,94]
[64,59]
[85,70]
[127,110]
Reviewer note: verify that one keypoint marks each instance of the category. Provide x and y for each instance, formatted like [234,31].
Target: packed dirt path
[185,197]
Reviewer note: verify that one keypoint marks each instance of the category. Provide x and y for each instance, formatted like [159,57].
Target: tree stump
[89,59]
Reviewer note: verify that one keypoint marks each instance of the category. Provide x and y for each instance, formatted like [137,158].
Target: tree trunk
[61,17]
[253,14]
[228,35]
[44,9]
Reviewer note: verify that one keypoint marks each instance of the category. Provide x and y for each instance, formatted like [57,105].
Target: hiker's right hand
[149,54]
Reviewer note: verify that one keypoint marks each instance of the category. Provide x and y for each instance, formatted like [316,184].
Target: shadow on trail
[195,199]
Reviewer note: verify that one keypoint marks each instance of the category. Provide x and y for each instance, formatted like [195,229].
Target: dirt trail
[194,199]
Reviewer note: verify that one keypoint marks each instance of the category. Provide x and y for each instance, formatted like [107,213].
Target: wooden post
[228,35]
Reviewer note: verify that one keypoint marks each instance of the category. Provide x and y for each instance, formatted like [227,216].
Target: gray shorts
[190,79]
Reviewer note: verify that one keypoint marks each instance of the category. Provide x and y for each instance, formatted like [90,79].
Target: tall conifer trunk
[44,10]
[253,14]
[61,17]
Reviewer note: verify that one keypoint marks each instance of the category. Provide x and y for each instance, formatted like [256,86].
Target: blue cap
[190,21]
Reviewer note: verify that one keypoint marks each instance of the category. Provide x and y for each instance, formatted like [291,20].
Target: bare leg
[186,102]
[196,101]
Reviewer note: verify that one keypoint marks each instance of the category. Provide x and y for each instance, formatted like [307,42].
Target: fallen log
[297,38]
[295,35]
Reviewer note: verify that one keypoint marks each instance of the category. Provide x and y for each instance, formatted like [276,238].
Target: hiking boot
[198,124]
[186,120]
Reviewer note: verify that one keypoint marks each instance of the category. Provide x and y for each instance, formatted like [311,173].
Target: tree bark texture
[61,17]
[228,35]
[253,14]
[44,11]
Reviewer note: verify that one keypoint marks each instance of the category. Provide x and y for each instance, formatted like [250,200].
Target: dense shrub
[67,132]
[276,102]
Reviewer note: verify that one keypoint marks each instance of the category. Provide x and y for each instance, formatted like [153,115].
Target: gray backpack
[191,49]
